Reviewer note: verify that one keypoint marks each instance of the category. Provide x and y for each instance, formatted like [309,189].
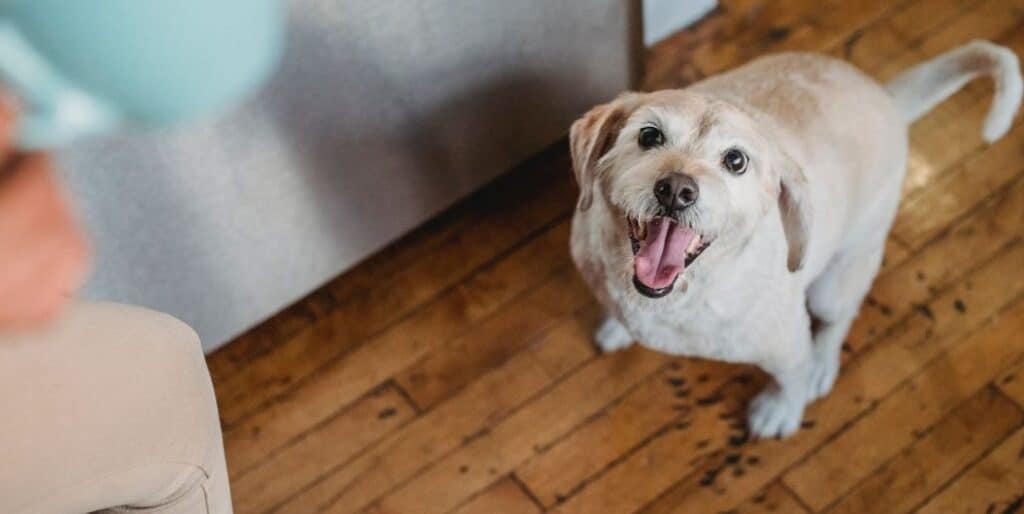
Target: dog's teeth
[694,244]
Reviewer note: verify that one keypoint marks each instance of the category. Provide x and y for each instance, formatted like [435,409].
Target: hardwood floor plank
[895,254]
[875,438]
[1012,384]
[869,49]
[945,136]
[374,296]
[574,341]
[664,400]
[836,24]
[505,497]
[738,31]
[775,499]
[954,194]
[798,25]
[705,435]
[438,375]
[914,20]
[479,463]
[920,470]
[866,380]
[337,440]
[968,243]
[435,326]
[473,411]
[993,485]
[752,35]
[735,32]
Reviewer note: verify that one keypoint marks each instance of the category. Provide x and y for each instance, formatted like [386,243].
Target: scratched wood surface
[453,372]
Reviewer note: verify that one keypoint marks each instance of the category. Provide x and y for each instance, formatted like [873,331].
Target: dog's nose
[676,191]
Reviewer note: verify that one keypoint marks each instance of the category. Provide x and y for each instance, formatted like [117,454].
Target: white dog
[716,221]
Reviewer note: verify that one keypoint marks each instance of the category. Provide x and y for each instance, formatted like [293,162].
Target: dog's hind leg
[834,299]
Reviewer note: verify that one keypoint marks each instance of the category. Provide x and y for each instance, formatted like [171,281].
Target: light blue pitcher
[81,67]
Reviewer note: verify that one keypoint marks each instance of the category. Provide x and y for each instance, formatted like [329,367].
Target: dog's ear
[795,209]
[591,136]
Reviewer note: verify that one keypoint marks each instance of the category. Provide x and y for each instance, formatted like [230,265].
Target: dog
[719,220]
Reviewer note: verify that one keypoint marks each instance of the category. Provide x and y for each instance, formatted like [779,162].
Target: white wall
[664,17]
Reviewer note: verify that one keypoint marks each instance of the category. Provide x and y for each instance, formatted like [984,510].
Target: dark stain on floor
[925,311]
[960,307]
[710,399]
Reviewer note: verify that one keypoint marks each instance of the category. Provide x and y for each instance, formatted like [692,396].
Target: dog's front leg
[778,410]
[611,335]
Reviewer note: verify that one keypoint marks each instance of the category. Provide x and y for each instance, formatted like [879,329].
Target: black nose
[676,191]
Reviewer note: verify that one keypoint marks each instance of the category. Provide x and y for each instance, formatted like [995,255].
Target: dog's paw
[823,374]
[774,414]
[611,336]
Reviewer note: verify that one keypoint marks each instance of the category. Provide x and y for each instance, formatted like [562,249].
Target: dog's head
[685,173]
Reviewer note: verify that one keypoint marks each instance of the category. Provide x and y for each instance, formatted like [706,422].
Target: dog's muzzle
[662,250]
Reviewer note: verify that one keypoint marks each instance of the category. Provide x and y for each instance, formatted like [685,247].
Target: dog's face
[682,174]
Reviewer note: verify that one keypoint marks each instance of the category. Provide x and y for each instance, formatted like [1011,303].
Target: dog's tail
[919,89]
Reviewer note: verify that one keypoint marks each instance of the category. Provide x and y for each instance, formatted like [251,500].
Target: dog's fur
[799,235]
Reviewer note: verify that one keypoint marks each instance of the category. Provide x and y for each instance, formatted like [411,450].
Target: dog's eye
[734,161]
[650,137]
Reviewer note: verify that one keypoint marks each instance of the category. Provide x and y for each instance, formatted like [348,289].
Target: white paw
[611,336]
[824,370]
[774,414]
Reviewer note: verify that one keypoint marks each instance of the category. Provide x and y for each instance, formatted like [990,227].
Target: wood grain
[471,413]
[775,499]
[482,460]
[505,497]
[288,470]
[679,404]
[403,344]
[995,484]
[952,444]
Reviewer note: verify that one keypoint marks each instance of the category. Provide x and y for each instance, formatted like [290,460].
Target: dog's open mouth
[662,249]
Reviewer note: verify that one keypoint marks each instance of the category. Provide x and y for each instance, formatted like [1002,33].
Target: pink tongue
[662,256]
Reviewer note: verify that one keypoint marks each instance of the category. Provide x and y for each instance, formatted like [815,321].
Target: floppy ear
[591,136]
[795,209]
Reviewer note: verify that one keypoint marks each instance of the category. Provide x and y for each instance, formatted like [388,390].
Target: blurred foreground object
[81,68]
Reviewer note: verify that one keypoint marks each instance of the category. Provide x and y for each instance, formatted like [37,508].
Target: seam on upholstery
[183,493]
[30,508]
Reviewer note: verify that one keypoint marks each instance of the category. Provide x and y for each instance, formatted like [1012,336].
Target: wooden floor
[454,372]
